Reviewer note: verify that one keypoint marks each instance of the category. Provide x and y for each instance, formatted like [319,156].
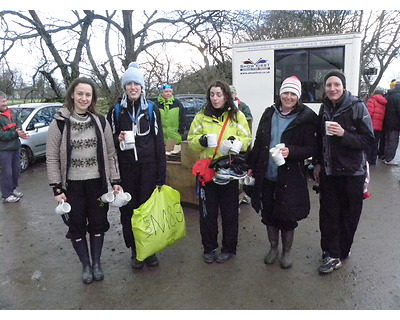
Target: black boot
[287,241]
[82,250]
[135,263]
[273,238]
[96,245]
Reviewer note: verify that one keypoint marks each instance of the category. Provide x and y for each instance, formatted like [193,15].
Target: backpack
[118,110]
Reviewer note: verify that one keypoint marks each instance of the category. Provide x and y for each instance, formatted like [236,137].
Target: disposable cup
[128,198]
[249,181]
[277,156]
[120,199]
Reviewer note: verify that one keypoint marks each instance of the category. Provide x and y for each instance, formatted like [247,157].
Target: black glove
[231,138]
[203,141]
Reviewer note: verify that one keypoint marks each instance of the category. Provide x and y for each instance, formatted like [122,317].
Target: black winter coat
[392,115]
[344,156]
[292,196]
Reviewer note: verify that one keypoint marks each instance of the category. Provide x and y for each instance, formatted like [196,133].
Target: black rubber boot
[96,246]
[82,250]
[287,241]
[135,263]
[273,238]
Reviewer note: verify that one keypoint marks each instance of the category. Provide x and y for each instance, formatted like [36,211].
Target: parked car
[35,119]
[192,103]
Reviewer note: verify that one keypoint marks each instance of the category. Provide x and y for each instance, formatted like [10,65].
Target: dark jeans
[341,201]
[88,213]
[216,198]
[139,179]
[10,171]
[372,153]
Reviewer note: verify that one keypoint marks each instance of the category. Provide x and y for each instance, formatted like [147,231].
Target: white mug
[225,147]
[63,208]
[129,137]
[327,124]
[108,197]
[212,140]
[120,199]
[236,146]
[277,156]
[249,181]
[128,197]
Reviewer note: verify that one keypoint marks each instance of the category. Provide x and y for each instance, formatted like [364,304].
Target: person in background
[81,166]
[241,105]
[376,107]
[173,114]
[10,132]
[142,167]
[340,168]
[214,197]
[392,124]
[392,84]
[281,192]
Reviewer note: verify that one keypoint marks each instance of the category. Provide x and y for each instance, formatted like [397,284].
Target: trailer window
[310,66]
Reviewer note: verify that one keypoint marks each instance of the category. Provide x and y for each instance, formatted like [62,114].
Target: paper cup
[128,198]
[129,137]
[212,140]
[280,146]
[236,146]
[225,147]
[327,124]
[120,199]
[108,197]
[63,208]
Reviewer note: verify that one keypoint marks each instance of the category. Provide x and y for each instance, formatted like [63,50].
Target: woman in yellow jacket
[215,197]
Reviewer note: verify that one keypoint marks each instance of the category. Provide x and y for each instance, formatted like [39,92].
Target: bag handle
[220,135]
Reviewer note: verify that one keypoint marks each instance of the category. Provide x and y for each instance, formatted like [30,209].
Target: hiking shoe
[209,257]
[221,180]
[391,162]
[152,261]
[224,257]
[18,194]
[229,173]
[11,199]
[136,264]
[329,264]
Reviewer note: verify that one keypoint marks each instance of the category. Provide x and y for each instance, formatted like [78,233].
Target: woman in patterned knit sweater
[82,165]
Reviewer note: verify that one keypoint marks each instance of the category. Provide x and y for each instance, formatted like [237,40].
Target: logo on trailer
[250,67]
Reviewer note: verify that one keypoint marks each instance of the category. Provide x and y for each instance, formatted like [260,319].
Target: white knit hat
[133,74]
[291,84]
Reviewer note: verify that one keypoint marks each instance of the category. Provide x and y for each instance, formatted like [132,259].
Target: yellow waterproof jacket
[203,124]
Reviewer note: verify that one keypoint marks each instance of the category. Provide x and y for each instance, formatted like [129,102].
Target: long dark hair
[69,102]
[229,104]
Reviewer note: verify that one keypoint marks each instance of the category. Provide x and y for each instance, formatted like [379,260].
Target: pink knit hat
[291,84]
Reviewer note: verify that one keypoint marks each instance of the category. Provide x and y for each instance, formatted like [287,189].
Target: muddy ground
[40,271]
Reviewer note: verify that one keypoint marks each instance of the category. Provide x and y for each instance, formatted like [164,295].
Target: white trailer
[259,68]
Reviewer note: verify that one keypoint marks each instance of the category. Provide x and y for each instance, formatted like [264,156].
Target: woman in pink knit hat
[288,127]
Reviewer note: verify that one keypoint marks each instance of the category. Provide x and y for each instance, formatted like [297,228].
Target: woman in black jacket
[340,168]
[281,192]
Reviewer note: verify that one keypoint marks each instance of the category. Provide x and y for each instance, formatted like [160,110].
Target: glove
[203,141]
[231,138]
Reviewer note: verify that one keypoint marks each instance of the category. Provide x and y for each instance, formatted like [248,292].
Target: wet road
[40,271]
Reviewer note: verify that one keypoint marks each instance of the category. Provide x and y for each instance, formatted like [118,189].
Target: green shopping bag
[158,223]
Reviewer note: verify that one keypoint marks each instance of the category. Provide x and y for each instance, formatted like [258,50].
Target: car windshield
[22,113]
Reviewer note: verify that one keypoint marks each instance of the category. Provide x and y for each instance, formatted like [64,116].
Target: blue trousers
[10,171]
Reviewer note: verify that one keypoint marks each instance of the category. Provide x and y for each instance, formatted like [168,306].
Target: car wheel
[24,155]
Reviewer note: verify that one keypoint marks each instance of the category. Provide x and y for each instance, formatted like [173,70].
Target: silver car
[35,119]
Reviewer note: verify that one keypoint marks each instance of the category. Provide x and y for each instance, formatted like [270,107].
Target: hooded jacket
[293,201]
[392,116]
[344,156]
[173,118]
[58,151]
[377,107]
